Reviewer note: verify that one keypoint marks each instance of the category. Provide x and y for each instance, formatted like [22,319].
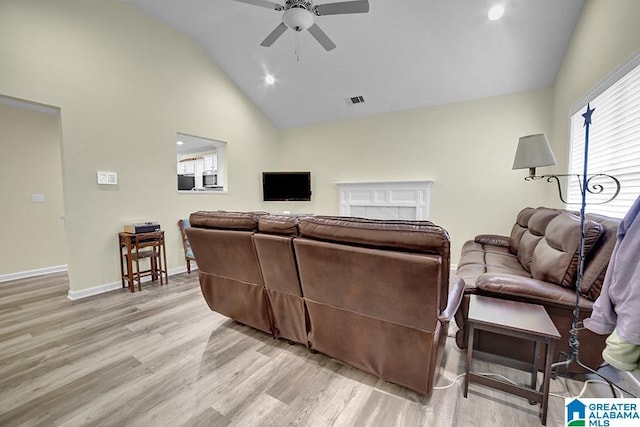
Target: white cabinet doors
[211,163]
[198,170]
[187,167]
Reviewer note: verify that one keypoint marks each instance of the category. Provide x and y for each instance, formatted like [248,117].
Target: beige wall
[125,84]
[32,233]
[466,148]
[607,34]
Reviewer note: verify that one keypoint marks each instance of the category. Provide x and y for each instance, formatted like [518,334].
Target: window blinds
[614,146]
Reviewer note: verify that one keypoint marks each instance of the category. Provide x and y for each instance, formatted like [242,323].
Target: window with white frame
[614,142]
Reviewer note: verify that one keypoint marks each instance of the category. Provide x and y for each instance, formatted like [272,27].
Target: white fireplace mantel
[385,199]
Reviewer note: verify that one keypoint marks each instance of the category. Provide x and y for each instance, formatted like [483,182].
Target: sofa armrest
[530,290]
[456,291]
[492,239]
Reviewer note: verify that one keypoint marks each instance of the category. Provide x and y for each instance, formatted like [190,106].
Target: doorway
[31,190]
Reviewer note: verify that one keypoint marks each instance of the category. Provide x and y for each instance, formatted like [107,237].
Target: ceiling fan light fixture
[299,16]
[298,19]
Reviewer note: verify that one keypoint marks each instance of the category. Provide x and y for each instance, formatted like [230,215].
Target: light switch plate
[107,178]
[37,198]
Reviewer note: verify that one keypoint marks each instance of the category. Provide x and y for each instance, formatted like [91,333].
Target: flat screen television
[278,186]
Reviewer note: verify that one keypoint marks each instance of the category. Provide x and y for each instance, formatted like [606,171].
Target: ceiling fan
[299,16]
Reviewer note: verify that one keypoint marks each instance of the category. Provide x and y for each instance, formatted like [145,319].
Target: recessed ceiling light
[495,12]
[269,79]
[179,142]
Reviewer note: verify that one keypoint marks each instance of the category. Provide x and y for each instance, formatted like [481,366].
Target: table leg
[121,262]
[154,267]
[132,286]
[545,381]
[534,368]
[470,333]
[164,261]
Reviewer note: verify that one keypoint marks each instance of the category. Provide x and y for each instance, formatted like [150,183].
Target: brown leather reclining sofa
[538,264]
[374,294]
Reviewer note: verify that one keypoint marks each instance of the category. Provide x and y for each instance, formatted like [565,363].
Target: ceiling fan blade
[322,38]
[273,36]
[263,3]
[358,6]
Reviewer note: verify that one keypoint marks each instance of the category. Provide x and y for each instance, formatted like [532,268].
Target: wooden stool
[140,246]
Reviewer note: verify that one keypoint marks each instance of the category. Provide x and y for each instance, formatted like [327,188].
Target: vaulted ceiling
[401,55]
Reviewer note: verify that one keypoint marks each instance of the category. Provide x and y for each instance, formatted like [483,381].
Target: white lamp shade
[298,19]
[533,151]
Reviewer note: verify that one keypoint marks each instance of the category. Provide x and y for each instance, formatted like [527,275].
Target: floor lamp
[534,151]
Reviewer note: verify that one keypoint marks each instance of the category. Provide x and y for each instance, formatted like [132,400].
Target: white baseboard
[107,287]
[95,290]
[32,273]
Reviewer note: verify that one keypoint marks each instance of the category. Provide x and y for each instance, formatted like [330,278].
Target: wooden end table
[516,319]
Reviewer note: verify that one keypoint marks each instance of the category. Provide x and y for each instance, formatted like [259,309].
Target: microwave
[209,179]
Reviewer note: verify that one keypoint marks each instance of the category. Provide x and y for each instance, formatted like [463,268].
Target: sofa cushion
[533,234]
[528,289]
[492,240]
[278,224]
[522,221]
[555,258]
[417,236]
[505,261]
[472,253]
[598,258]
[245,221]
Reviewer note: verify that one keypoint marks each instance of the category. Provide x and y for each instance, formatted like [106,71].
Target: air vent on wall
[355,100]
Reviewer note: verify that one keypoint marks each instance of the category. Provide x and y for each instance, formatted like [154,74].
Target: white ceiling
[402,54]
[194,144]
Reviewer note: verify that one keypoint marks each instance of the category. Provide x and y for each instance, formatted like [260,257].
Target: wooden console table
[134,247]
[516,319]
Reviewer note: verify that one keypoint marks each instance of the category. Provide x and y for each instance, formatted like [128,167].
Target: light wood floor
[160,357]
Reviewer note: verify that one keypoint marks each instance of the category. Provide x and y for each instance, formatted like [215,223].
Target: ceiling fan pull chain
[297,46]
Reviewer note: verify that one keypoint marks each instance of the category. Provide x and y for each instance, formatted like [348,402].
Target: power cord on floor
[584,388]
[604,381]
[611,384]
[444,387]
[633,378]
[488,374]
[574,357]
[579,395]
